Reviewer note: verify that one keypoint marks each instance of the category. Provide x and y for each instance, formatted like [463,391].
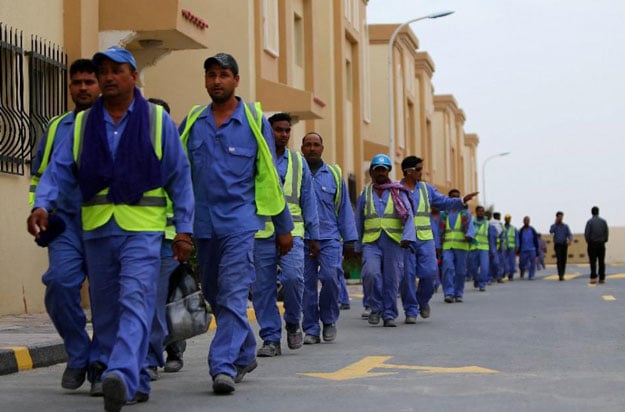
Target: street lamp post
[484,174]
[391,100]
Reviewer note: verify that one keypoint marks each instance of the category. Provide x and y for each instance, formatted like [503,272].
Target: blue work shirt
[561,233]
[437,199]
[307,199]
[528,239]
[332,226]
[379,202]
[60,177]
[435,222]
[223,166]
[68,202]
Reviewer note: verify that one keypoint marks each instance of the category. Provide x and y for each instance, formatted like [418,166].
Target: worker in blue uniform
[66,271]
[385,225]
[497,257]
[481,250]
[458,233]
[232,153]
[337,235]
[126,157]
[298,189]
[510,247]
[528,249]
[422,261]
[436,231]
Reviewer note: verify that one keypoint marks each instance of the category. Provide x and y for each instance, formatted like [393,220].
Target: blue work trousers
[159,323]
[321,305]
[527,261]
[509,262]
[123,278]
[265,293]
[454,272]
[382,270]
[343,292]
[420,264]
[495,272]
[63,280]
[478,266]
[227,267]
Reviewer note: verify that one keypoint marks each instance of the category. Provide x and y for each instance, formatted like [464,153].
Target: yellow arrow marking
[567,276]
[608,297]
[361,369]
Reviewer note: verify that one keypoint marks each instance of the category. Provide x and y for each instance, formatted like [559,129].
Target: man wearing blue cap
[232,153]
[125,156]
[384,221]
[66,272]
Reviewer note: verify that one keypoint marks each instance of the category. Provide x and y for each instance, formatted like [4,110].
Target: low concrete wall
[615,248]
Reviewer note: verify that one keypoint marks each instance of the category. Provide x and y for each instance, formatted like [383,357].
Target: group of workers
[122,195]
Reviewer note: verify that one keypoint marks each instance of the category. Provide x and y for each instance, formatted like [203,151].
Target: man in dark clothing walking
[596,234]
[562,238]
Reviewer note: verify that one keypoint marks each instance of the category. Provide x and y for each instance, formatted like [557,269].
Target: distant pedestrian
[562,238]
[509,247]
[542,250]
[596,234]
[528,249]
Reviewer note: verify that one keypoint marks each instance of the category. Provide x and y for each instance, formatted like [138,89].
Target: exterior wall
[577,251]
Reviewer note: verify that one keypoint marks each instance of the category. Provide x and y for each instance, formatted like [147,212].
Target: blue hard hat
[381,160]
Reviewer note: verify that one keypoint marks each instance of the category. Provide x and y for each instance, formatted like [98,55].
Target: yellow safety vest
[422,217]
[454,237]
[509,238]
[268,194]
[45,159]
[292,193]
[374,224]
[338,178]
[147,215]
[481,235]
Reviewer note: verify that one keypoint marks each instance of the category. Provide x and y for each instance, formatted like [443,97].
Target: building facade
[316,59]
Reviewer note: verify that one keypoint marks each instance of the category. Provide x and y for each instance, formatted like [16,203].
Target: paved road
[542,345]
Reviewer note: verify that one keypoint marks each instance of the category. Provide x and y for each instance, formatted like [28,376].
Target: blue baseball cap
[381,160]
[117,54]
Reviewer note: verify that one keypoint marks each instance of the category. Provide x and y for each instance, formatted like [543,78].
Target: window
[271,37]
[298,41]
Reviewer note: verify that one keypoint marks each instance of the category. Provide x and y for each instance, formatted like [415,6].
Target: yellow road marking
[251,316]
[362,368]
[357,295]
[22,357]
[616,276]
[608,297]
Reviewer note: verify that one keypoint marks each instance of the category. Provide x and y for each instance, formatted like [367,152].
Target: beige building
[316,59]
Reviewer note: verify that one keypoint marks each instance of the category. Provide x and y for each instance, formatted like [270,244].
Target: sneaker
[561,278]
[153,372]
[601,281]
[424,311]
[365,313]
[329,332]
[243,370]
[500,281]
[96,384]
[294,336]
[389,323]
[223,384]
[374,318]
[510,278]
[269,350]
[458,299]
[482,289]
[449,299]
[410,320]
[345,306]
[139,397]
[593,281]
[73,378]
[115,392]
[311,339]
[173,365]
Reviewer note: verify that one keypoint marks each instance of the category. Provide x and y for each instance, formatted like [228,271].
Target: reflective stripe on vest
[374,224]
[146,215]
[338,178]
[481,235]
[292,193]
[45,158]
[454,238]
[422,217]
[509,238]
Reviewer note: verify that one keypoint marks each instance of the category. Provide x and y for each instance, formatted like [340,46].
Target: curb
[18,358]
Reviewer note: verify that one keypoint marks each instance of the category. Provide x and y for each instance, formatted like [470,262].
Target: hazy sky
[542,79]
